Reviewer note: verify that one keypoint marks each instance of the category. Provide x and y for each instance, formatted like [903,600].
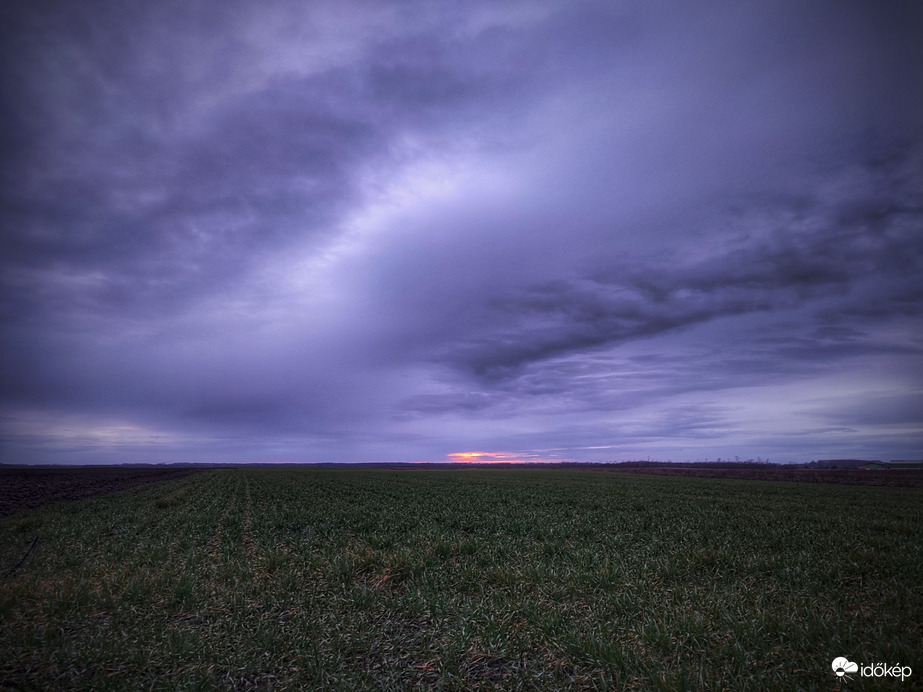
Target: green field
[462,579]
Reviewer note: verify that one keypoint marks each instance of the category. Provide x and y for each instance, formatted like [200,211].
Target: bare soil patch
[24,488]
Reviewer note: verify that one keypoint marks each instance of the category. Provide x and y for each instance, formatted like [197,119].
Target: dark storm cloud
[147,159]
[355,230]
[837,259]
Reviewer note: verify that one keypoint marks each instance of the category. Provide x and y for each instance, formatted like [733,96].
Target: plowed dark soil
[23,488]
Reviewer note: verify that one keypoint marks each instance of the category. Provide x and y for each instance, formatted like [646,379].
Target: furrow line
[249,544]
[215,540]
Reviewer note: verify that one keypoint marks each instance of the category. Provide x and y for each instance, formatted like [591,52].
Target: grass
[470,579]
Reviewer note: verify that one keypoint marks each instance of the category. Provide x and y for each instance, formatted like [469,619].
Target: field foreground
[462,579]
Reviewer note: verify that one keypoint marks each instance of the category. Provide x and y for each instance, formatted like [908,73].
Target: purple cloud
[394,231]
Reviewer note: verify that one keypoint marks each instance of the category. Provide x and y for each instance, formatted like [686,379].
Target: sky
[560,230]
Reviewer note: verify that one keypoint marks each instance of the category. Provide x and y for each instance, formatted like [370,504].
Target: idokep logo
[842,666]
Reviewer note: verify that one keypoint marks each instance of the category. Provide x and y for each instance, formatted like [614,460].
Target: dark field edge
[901,478]
[29,487]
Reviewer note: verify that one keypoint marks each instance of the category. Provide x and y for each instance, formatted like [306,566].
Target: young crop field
[353,579]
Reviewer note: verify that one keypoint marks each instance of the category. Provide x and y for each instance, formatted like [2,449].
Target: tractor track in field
[249,543]
[247,536]
[213,542]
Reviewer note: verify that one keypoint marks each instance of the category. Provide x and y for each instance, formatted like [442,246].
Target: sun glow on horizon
[495,458]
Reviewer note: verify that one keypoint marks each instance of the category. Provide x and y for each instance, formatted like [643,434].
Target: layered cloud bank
[356,231]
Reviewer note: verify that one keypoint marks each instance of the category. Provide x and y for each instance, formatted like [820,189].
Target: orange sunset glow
[492,458]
